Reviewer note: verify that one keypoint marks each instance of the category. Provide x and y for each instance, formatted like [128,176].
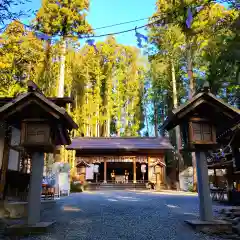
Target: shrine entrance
[119,169]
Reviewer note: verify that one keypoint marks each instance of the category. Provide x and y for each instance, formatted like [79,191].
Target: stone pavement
[123,215]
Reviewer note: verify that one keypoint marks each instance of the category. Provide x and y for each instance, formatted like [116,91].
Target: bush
[190,188]
[78,186]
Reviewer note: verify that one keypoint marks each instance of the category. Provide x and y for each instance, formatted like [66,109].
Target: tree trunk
[62,69]
[174,84]
[146,119]
[190,95]
[155,119]
[190,71]
[177,128]
[238,90]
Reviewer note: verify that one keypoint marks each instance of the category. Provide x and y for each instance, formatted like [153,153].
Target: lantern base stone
[213,227]
[25,229]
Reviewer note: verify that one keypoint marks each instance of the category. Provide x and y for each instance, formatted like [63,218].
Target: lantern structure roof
[205,104]
[33,104]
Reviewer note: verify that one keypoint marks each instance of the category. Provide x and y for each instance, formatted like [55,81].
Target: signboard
[64,183]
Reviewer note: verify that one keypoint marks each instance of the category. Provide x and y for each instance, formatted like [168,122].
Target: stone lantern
[43,125]
[201,120]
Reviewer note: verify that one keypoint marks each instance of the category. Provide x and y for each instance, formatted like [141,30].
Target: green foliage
[207,51]
[20,54]
[64,18]
[76,187]
[190,188]
[108,88]
[213,38]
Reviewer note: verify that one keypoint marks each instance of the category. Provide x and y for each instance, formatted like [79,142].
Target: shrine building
[138,156]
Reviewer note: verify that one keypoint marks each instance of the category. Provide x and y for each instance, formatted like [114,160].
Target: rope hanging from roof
[222,153]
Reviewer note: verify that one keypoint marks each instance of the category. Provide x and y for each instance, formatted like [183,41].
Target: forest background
[122,90]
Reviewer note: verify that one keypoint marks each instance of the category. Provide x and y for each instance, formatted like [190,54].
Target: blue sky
[108,12]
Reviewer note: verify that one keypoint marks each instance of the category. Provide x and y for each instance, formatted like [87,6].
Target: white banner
[64,182]
[90,172]
[96,168]
[143,168]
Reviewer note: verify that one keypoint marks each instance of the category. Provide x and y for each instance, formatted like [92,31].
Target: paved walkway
[123,215]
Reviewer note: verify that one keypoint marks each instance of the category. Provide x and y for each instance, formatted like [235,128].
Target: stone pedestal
[211,227]
[26,229]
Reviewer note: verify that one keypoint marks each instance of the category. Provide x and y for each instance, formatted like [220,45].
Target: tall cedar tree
[66,18]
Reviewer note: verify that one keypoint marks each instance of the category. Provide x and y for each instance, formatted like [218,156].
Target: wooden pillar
[161,175]
[105,171]
[5,160]
[158,177]
[149,169]
[205,201]
[134,171]
[35,189]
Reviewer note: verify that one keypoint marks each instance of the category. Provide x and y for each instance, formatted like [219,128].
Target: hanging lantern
[198,131]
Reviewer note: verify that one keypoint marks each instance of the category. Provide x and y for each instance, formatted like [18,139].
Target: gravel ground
[123,215]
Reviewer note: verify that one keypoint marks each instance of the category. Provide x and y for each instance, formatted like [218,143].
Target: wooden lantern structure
[43,125]
[198,132]
[37,134]
[202,120]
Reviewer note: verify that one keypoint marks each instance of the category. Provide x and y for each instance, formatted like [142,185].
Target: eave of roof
[129,144]
[61,111]
[61,102]
[171,121]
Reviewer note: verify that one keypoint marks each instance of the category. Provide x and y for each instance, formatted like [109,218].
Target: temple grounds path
[123,215]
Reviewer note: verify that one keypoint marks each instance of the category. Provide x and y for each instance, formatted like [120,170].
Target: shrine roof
[114,145]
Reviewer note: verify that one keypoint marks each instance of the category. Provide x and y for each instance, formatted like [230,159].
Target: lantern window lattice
[201,132]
